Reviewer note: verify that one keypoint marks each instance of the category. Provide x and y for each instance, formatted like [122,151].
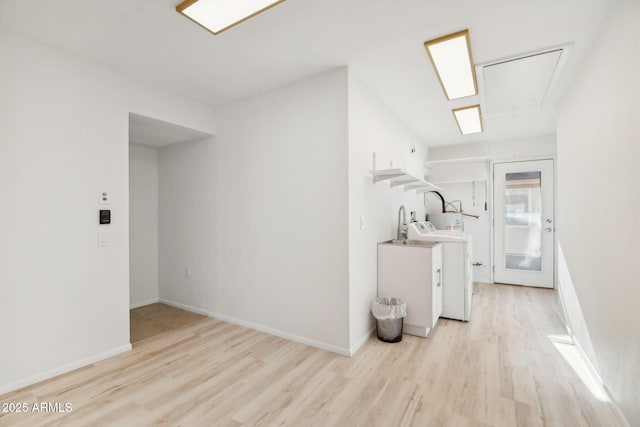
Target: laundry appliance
[446,221]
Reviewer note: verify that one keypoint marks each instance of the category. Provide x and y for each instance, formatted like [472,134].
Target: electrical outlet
[187,272]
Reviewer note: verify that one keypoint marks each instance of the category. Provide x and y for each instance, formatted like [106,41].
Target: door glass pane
[523,221]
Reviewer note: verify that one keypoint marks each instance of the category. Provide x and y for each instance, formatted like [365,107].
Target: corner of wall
[374,128]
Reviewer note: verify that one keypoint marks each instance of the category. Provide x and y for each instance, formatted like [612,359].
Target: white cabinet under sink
[413,272]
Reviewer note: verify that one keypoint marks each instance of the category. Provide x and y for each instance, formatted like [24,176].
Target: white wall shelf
[399,178]
[385,174]
[460,169]
[421,186]
[405,179]
[460,181]
[458,160]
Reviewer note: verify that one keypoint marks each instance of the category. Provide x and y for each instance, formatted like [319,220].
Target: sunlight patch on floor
[565,346]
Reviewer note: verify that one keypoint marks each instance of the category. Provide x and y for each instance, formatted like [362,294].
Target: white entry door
[524,223]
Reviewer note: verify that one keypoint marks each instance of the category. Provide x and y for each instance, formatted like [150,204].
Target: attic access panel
[519,84]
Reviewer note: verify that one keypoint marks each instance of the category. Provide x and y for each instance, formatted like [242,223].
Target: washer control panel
[423,228]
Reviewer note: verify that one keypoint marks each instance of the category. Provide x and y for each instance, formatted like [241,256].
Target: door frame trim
[492,219]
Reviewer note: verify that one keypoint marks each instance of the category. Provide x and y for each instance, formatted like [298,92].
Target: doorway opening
[150,140]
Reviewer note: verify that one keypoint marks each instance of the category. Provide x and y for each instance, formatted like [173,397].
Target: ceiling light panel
[469,119]
[219,15]
[451,57]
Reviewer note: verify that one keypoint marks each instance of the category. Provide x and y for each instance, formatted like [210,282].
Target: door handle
[439,278]
[548,220]
[549,229]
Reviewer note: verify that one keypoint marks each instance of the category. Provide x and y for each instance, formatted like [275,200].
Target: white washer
[457,273]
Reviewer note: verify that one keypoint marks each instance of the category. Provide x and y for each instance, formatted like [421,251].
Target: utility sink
[411,270]
[409,242]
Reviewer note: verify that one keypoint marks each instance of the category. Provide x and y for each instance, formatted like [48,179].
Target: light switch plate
[103,238]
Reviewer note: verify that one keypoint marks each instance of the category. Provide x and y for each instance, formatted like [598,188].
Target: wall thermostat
[105,216]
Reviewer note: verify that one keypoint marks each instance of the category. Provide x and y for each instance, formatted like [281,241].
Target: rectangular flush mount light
[469,119]
[451,57]
[219,15]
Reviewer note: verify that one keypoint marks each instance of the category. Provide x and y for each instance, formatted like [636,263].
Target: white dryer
[457,273]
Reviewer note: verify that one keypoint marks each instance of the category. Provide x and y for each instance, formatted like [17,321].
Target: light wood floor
[154,319]
[500,369]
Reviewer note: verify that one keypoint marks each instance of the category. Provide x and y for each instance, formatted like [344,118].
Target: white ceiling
[157,133]
[381,40]
[518,84]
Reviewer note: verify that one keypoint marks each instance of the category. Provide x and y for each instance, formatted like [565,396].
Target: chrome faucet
[402,227]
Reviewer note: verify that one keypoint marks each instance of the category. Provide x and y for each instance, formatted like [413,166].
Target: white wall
[143,225]
[497,151]
[188,240]
[63,139]
[259,214]
[598,154]
[543,146]
[374,128]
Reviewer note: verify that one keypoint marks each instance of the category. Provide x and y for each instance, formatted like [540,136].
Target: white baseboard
[143,303]
[186,307]
[592,368]
[354,348]
[616,410]
[596,375]
[6,388]
[261,328]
